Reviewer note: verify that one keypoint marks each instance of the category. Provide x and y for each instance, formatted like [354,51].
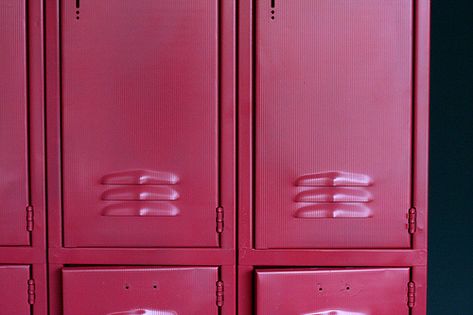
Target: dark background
[451,160]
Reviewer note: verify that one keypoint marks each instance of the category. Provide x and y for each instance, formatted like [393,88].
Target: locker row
[141,133]
[175,157]
[198,290]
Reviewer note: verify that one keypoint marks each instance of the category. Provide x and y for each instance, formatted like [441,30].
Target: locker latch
[219,219]
[219,293]
[29,218]
[411,294]
[412,221]
[31,291]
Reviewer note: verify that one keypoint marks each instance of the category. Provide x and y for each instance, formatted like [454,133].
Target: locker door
[14,297]
[133,291]
[333,292]
[333,123]
[13,124]
[140,123]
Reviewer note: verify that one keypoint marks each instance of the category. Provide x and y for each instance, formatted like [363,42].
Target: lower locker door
[380,291]
[140,291]
[14,296]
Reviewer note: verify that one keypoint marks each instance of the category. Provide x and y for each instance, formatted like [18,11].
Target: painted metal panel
[333,125]
[14,297]
[13,124]
[133,291]
[381,291]
[140,123]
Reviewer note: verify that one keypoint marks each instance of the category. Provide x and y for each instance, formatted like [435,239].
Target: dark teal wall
[451,159]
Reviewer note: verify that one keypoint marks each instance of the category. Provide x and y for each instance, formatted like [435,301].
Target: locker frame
[227,63]
[224,256]
[34,254]
[414,257]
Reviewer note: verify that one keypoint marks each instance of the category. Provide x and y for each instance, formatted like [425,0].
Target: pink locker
[140,291]
[333,123]
[140,123]
[349,291]
[14,284]
[14,182]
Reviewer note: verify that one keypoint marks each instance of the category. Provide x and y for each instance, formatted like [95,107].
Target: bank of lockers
[165,125]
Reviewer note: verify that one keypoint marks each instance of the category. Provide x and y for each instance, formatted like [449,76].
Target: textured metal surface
[14,297]
[13,124]
[133,291]
[333,125]
[381,291]
[140,123]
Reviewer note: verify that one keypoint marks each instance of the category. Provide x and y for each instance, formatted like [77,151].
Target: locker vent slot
[141,209]
[140,177]
[144,193]
[333,195]
[332,211]
[141,193]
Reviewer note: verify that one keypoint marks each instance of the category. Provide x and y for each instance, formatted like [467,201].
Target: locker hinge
[411,294]
[219,219]
[219,293]
[29,218]
[31,291]
[412,220]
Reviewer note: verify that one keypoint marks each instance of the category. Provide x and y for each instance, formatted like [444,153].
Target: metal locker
[14,297]
[333,123]
[382,291]
[139,290]
[140,123]
[13,124]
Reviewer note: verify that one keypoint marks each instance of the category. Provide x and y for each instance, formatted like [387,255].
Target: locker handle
[144,312]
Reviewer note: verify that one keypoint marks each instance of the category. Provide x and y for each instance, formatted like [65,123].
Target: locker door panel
[130,291]
[333,124]
[14,297]
[380,291]
[140,123]
[13,124]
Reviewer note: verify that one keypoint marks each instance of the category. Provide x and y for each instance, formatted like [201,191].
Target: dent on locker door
[140,123]
[333,123]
